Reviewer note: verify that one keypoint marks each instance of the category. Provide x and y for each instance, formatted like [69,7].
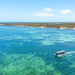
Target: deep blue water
[30,51]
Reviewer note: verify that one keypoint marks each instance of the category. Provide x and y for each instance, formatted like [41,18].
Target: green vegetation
[48,25]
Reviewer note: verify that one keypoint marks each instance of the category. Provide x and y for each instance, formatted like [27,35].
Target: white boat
[60,53]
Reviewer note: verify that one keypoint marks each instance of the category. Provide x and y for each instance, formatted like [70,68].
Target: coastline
[40,26]
[47,27]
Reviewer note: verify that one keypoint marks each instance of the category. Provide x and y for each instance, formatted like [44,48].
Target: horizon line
[37,22]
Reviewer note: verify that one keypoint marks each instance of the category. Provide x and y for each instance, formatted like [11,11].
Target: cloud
[44,14]
[48,9]
[65,11]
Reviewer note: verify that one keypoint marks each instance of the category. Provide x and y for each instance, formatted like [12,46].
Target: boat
[60,53]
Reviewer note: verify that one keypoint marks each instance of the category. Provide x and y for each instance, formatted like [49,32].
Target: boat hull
[61,55]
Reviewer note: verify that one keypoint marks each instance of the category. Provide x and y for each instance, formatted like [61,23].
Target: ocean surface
[30,51]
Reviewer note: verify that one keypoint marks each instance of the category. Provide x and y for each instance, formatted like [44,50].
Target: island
[60,25]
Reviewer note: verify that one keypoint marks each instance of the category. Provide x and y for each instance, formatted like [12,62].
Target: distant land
[60,25]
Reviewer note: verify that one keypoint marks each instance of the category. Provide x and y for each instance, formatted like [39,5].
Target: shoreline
[73,28]
[47,27]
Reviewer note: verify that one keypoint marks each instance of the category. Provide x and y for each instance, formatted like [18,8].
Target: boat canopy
[60,52]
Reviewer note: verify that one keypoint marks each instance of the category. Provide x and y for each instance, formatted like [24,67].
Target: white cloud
[65,11]
[44,14]
[48,9]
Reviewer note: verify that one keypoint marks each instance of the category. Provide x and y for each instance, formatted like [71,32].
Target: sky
[37,10]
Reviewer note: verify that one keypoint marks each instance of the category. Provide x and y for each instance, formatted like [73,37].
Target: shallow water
[30,51]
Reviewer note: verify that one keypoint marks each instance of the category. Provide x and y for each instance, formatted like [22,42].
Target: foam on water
[70,52]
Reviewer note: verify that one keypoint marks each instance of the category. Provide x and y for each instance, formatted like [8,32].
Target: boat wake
[70,52]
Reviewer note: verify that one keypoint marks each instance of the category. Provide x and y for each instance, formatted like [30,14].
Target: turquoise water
[30,51]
